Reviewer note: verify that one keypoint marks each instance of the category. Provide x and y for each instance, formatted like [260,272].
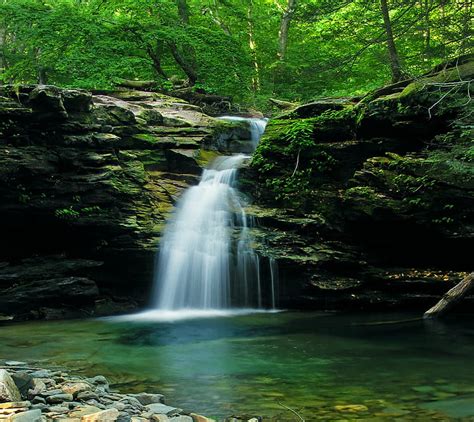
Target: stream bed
[324,366]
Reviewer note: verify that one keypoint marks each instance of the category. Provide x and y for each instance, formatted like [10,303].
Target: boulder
[8,390]
[28,416]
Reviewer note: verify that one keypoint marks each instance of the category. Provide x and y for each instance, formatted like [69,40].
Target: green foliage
[334,48]
[299,134]
[71,213]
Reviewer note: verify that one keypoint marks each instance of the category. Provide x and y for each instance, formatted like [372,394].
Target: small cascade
[256,126]
[206,259]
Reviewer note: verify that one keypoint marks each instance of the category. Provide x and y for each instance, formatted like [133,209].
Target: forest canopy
[248,49]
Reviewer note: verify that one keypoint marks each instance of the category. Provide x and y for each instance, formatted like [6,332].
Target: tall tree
[253,47]
[395,67]
[286,18]
[185,55]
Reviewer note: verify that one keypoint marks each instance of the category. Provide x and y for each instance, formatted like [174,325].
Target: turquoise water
[324,366]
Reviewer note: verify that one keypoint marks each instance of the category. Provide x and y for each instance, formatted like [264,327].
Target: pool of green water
[324,366]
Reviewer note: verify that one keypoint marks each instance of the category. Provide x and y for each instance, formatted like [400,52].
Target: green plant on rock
[66,213]
[70,213]
[299,134]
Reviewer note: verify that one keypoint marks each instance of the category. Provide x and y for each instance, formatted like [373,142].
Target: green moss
[206,156]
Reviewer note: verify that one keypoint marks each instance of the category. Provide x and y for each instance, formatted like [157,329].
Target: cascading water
[256,126]
[206,258]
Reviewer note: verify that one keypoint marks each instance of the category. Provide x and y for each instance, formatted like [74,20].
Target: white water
[256,126]
[207,263]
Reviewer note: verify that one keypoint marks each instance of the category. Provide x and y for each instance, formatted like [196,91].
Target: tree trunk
[466,27]
[284,28]
[183,11]
[451,297]
[392,50]
[155,55]
[2,52]
[253,48]
[186,64]
[187,61]
[426,13]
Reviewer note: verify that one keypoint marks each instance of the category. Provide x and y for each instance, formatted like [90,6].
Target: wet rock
[181,418]
[59,398]
[28,416]
[8,390]
[14,404]
[158,418]
[42,373]
[76,388]
[23,381]
[48,101]
[107,415]
[200,418]
[87,395]
[38,386]
[84,410]
[147,398]
[162,408]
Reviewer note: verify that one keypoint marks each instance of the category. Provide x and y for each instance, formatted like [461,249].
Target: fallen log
[137,84]
[451,297]
[282,105]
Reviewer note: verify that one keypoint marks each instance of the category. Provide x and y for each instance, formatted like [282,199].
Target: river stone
[23,381]
[8,389]
[162,408]
[181,418]
[87,395]
[38,399]
[159,418]
[107,415]
[147,398]
[13,404]
[28,416]
[84,410]
[118,405]
[42,373]
[59,398]
[200,418]
[37,387]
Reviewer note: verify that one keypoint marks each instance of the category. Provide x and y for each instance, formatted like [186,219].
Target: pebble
[59,398]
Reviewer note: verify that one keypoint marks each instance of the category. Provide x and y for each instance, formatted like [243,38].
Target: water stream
[207,260]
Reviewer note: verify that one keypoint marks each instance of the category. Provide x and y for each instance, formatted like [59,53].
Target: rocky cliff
[368,202]
[364,202]
[86,182]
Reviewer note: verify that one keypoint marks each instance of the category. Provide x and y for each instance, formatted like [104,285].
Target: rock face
[86,183]
[369,203]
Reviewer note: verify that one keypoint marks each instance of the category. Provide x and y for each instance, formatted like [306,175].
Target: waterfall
[206,258]
[256,126]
